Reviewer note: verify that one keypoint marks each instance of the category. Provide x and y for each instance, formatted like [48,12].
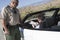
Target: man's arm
[20,20]
[4,20]
[4,25]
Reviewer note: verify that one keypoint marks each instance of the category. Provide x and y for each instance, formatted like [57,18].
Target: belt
[17,25]
[13,25]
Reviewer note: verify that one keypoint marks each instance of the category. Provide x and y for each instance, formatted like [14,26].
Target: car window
[46,15]
[49,14]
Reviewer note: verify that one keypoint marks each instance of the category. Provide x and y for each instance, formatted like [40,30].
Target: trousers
[14,33]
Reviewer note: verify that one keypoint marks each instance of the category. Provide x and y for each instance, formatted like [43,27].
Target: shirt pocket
[10,16]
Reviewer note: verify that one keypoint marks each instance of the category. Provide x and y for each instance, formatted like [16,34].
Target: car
[52,26]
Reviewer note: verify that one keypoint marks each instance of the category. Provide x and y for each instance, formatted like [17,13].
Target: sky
[22,3]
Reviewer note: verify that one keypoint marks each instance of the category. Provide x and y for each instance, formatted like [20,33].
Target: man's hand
[6,32]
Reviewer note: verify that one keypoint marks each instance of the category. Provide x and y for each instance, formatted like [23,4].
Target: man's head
[14,3]
[40,17]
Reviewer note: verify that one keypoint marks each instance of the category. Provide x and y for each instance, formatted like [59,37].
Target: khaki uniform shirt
[10,16]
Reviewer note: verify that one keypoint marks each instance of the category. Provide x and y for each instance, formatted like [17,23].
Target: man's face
[14,4]
[39,20]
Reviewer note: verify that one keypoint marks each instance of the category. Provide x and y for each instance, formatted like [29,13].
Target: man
[41,21]
[11,20]
[40,24]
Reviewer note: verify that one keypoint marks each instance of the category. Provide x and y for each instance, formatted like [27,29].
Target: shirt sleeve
[3,14]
